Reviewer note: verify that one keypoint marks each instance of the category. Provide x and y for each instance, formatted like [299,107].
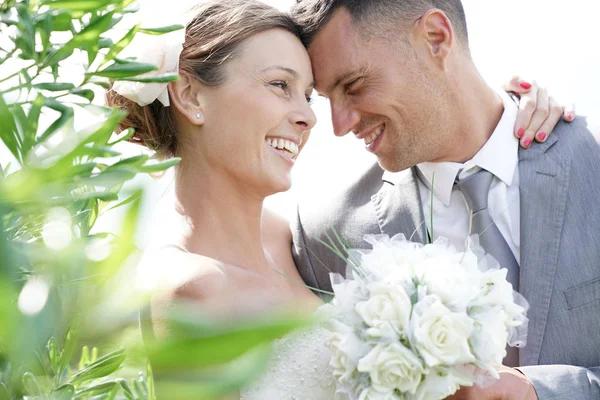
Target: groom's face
[382,89]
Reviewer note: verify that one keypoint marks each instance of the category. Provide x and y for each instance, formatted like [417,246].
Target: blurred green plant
[59,278]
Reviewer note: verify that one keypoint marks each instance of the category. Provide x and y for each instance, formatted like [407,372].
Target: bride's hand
[538,111]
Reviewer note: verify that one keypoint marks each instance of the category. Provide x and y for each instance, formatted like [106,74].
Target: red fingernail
[525,85]
[542,136]
[520,133]
[570,116]
[527,143]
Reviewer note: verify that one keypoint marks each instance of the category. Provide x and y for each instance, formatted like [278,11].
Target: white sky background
[554,42]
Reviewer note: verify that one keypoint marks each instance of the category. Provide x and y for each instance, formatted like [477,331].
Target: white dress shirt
[451,214]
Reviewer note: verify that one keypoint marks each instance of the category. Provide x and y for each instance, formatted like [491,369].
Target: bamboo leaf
[8,130]
[161,30]
[96,390]
[129,69]
[165,78]
[88,36]
[160,166]
[216,346]
[54,86]
[64,392]
[124,136]
[88,94]
[100,368]
[79,5]
[128,200]
[121,44]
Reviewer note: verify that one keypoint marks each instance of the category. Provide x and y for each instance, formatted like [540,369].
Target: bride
[238,117]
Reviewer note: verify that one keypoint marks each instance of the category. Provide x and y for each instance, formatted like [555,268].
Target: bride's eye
[309,99]
[283,85]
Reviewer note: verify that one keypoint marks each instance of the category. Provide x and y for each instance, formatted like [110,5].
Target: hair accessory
[160,50]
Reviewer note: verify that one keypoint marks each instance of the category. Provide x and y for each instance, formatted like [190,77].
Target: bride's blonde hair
[213,38]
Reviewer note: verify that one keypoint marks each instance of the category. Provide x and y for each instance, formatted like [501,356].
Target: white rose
[489,336]
[346,351]
[448,279]
[440,335]
[392,366]
[387,312]
[441,383]
[372,394]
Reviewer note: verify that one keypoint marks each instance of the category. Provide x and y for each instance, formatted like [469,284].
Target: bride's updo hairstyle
[212,38]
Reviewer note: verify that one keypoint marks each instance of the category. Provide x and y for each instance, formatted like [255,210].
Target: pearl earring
[198,115]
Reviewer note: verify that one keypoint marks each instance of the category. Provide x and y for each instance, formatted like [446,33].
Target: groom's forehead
[332,52]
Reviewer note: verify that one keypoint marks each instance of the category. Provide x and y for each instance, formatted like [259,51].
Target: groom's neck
[477,112]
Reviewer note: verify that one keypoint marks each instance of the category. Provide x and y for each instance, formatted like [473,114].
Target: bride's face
[258,119]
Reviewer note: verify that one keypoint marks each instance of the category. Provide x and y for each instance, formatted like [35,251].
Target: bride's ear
[185,94]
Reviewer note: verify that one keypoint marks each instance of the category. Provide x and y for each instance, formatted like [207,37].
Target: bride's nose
[303,117]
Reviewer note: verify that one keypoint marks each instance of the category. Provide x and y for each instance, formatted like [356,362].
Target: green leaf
[128,200]
[69,346]
[220,382]
[88,94]
[139,390]
[104,196]
[95,390]
[54,86]
[150,377]
[98,151]
[121,44]
[31,384]
[156,79]
[8,130]
[87,37]
[126,389]
[129,69]
[210,346]
[66,115]
[45,30]
[160,166]
[79,5]
[53,354]
[162,30]
[102,83]
[64,392]
[100,368]
[34,116]
[61,20]
[123,136]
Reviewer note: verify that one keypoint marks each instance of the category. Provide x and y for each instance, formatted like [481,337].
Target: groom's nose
[343,119]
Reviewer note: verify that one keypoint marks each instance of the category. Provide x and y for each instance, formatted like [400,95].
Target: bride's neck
[221,218]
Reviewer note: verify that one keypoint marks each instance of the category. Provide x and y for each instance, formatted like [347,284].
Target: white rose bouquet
[416,321]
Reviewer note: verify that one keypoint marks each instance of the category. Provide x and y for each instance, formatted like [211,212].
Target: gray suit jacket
[560,250]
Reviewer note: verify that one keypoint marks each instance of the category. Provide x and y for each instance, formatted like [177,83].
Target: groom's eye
[353,85]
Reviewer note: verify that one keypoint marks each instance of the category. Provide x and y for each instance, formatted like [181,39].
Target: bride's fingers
[569,112]
[556,112]
[518,86]
[540,114]
[527,107]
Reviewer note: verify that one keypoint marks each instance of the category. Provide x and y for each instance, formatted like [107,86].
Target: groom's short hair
[374,15]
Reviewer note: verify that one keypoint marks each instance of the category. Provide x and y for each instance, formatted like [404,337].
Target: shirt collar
[499,155]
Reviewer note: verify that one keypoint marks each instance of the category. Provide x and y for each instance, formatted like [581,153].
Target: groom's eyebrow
[344,77]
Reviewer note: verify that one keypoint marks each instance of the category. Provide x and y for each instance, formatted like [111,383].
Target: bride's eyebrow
[290,71]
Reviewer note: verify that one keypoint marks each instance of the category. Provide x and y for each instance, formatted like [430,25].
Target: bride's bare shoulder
[174,273]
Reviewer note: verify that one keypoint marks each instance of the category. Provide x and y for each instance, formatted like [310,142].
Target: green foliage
[59,278]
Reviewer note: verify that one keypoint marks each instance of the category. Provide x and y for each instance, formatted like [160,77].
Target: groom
[399,76]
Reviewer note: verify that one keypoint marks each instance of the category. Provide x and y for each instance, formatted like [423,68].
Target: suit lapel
[399,209]
[543,187]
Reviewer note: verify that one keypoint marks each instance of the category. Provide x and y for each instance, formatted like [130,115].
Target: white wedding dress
[299,369]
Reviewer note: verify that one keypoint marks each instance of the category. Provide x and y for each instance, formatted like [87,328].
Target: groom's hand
[511,385]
